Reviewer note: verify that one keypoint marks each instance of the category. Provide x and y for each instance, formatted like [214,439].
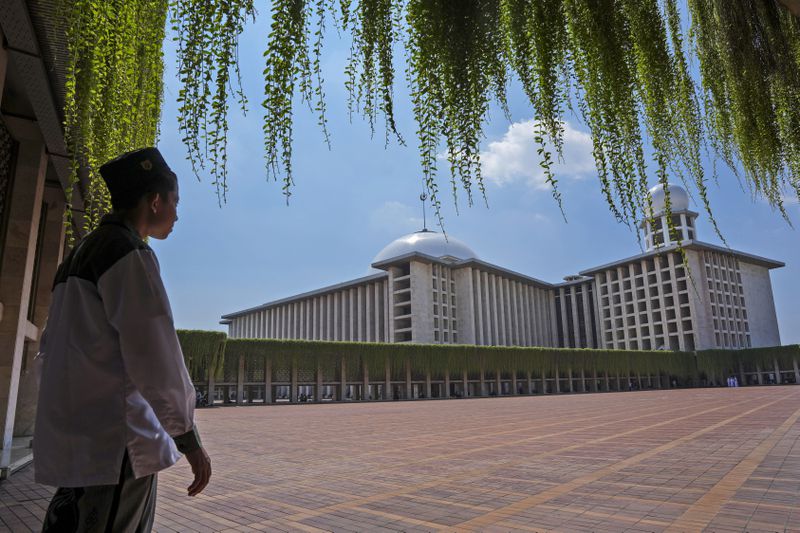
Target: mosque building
[429,288]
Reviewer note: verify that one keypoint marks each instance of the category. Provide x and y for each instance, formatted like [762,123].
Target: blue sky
[351,201]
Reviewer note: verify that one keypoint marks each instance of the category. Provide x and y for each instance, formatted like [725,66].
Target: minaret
[656,230]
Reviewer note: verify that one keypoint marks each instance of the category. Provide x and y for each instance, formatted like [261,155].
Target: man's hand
[201,468]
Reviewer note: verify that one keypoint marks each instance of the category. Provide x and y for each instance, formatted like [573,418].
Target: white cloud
[396,216]
[514,158]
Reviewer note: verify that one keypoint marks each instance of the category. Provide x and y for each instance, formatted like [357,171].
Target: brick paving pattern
[682,460]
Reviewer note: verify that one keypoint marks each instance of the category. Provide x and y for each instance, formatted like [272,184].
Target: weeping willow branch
[112,90]
[207,44]
[623,65]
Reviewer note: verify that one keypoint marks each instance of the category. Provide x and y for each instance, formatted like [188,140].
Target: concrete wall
[421,302]
[760,305]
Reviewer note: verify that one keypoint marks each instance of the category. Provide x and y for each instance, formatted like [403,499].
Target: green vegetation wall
[204,350]
[730,362]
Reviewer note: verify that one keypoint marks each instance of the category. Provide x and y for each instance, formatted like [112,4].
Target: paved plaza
[677,460]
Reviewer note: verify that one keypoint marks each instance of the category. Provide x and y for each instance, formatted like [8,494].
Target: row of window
[726,294]
[647,265]
[671,342]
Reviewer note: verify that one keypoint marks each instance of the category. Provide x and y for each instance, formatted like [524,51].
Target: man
[116,404]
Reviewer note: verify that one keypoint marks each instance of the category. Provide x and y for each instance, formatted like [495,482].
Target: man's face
[164,214]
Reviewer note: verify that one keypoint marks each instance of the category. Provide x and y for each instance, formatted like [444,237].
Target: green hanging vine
[623,65]
[203,351]
[208,66]
[112,90]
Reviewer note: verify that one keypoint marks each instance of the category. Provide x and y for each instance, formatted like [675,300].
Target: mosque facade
[433,289]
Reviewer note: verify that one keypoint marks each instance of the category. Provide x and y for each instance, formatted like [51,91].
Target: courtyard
[677,460]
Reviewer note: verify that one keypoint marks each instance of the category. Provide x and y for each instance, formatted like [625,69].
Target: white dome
[426,242]
[678,198]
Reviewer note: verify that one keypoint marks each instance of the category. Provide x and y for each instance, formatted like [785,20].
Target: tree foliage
[623,65]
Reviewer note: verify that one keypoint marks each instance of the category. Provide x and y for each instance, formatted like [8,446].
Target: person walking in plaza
[116,403]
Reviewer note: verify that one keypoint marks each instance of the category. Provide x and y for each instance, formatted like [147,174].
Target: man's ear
[153,201]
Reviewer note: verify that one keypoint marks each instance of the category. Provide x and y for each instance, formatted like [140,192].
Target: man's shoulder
[99,251]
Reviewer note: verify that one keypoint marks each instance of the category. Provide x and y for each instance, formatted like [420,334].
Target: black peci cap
[131,175]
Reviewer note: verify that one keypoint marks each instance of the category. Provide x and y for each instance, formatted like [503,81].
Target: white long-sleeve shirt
[113,376]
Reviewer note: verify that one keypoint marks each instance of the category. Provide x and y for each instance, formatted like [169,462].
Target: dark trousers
[127,507]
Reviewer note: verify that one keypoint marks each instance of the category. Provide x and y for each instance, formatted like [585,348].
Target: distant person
[116,404]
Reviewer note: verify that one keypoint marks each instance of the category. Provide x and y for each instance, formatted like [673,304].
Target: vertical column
[513,382]
[318,388]
[408,379]
[359,293]
[575,333]
[479,308]
[758,374]
[50,247]
[365,392]
[18,268]
[570,376]
[337,319]
[211,386]
[587,315]
[387,383]
[267,380]
[342,379]
[514,318]
[778,379]
[446,384]
[539,335]
[558,380]
[428,383]
[293,386]
[328,322]
[240,382]
[551,306]
[743,382]
[388,312]
[298,331]
[583,380]
[378,294]
[465,381]
[314,319]
[562,296]
[796,372]
[491,289]
[498,384]
[368,297]
[501,310]
[530,382]
[352,326]
[483,382]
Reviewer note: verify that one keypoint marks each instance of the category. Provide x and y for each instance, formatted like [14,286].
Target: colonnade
[374,384]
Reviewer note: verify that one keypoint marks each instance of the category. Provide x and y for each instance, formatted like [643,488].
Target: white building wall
[421,302]
[646,303]
[760,305]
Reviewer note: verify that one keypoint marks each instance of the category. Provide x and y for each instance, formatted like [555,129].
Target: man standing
[116,404]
